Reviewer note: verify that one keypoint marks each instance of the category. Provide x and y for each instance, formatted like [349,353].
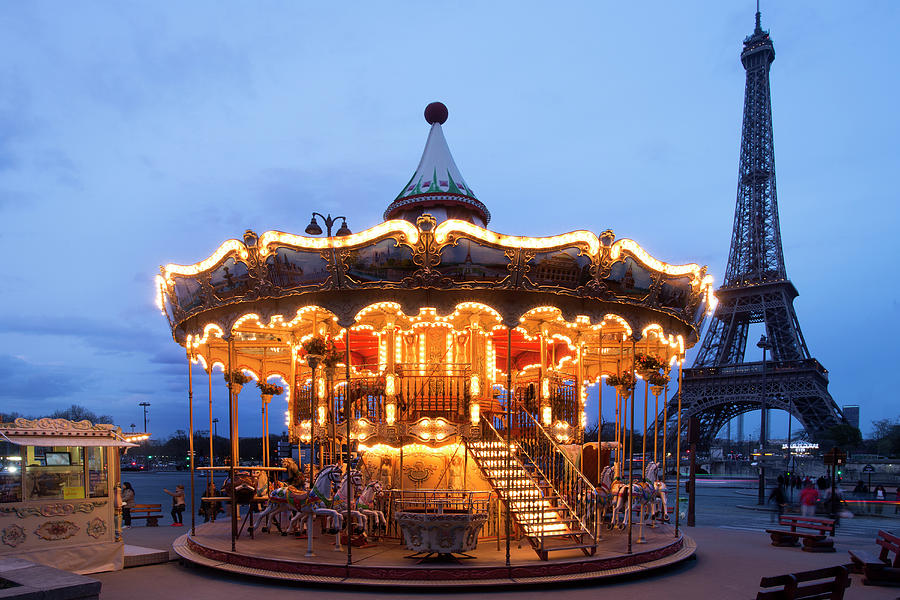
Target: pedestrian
[210,508]
[177,505]
[777,496]
[127,503]
[808,498]
[880,494]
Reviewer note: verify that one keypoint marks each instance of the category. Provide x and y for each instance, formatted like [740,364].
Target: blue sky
[137,134]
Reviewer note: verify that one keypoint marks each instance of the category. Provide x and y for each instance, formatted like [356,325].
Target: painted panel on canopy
[382,261]
[230,279]
[188,293]
[560,268]
[469,260]
[288,268]
[675,293]
[628,278]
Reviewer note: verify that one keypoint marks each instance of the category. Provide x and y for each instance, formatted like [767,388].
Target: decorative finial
[758,25]
[436,112]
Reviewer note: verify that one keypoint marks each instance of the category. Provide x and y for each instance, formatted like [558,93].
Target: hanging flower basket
[648,365]
[237,379]
[267,390]
[624,383]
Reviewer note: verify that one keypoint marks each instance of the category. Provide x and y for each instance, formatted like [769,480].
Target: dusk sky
[137,134]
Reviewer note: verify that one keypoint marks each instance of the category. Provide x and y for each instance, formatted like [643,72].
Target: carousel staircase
[534,504]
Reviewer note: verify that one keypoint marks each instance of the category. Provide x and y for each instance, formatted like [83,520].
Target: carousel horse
[313,503]
[373,492]
[642,494]
[292,474]
[604,491]
[248,484]
[660,506]
[339,503]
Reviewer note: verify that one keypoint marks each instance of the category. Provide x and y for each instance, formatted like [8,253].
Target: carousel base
[388,563]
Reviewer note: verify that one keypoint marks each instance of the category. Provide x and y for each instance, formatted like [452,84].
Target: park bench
[820,584]
[812,530]
[151,512]
[879,569]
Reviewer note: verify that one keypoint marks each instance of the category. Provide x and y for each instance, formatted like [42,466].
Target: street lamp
[145,405]
[215,423]
[314,229]
[132,428]
[764,344]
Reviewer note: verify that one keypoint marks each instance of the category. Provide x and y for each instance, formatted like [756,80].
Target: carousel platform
[388,563]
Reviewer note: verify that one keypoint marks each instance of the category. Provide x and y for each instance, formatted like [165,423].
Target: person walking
[777,496]
[177,505]
[127,503]
[808,498]
[880,497]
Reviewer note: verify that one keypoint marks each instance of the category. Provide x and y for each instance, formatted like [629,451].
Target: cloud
[103,335]
[23,380]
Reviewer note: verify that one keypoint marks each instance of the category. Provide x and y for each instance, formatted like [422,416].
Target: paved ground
[733,553]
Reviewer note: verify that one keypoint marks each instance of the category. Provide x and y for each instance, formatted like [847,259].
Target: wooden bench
[880,569]
[812,530]
[151,512]
[808,585]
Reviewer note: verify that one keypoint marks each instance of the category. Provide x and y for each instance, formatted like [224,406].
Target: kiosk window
[54,473]
[10,472]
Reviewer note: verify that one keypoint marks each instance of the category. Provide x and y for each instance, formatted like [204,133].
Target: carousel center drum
[441,521]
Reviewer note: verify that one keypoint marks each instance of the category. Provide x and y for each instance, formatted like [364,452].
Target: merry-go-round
[436,375]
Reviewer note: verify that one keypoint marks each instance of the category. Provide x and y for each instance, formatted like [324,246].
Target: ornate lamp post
[314,229]
[765,345]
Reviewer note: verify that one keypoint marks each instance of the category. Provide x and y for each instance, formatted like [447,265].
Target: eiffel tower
[723,383]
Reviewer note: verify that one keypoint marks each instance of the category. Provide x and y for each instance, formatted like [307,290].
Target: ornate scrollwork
[52,510]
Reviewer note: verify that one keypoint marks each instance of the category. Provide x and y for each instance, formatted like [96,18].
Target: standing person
[808,498]
[880,495]
[177,505]
[210,508]
[127,503]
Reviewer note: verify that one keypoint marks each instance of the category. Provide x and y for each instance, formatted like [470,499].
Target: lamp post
[764,344]
[314,229]
[215,423]
[132,428]
[145,405]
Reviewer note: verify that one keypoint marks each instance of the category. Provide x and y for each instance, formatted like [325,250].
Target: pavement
[733,553]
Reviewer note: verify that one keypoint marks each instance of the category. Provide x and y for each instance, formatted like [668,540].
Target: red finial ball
[436,112]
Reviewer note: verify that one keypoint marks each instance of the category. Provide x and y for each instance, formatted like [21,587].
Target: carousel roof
[437,180]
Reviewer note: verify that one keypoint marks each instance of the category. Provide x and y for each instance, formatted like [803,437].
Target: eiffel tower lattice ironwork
[722,383]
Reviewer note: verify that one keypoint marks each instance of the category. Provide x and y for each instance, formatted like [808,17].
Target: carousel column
[209,369]
[641,539]
[631,444]
[348,414]
[509,401]
[232,431]
[678,450]
[191,435]
[599,400]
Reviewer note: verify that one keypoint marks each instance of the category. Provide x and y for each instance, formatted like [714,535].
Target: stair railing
[575,492]
[523,496]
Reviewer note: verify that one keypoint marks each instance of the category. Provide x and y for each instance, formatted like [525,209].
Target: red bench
[880,569]
[812,530]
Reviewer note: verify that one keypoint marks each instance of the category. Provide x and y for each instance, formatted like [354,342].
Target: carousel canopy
[437,185]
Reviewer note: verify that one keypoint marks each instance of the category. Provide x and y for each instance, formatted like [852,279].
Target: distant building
[851,413]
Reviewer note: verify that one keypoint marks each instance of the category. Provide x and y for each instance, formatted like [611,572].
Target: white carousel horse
[354,477]
[313,503]
[642,494]
[660,506]
[604,491]
[366,505]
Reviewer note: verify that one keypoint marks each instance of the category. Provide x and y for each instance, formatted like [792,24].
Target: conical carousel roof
[437,186]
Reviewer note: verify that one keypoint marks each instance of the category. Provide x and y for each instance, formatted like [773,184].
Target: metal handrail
[581,512]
